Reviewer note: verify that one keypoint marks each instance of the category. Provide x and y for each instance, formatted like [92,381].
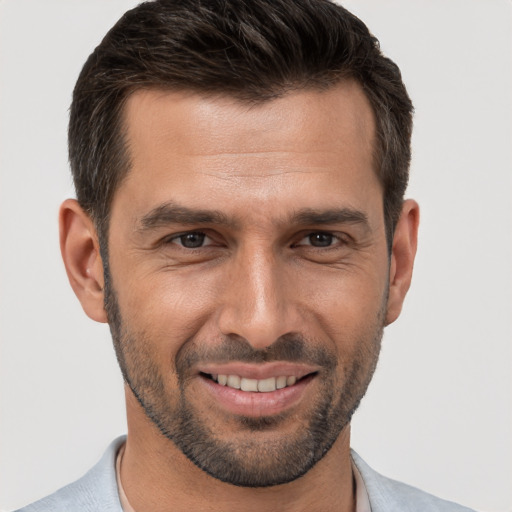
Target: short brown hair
[252,50]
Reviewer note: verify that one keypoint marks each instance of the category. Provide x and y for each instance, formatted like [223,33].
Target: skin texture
[290,267]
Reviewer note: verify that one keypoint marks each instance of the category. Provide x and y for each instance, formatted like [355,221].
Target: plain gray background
[438,413]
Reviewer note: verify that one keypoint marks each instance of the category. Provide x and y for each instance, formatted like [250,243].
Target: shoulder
[390,495]
[96,491]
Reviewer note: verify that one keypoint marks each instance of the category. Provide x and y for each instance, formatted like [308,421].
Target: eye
[191,240]
[319,239]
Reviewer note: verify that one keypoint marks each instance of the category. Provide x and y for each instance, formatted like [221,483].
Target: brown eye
[320,239]
[191,240]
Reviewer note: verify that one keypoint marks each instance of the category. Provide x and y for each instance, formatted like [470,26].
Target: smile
[254,385]
[255,391]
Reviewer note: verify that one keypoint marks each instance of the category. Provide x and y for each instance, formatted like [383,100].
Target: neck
[157,477]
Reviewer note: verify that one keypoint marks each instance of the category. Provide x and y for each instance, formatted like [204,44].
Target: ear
[81,254]
[403,252]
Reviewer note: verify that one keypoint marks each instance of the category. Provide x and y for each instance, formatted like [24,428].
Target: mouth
[256,391]
[267,385]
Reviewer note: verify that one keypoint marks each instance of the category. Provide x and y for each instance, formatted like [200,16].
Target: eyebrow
[173,213]
[330,216]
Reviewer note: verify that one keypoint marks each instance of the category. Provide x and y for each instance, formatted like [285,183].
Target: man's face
[247,249]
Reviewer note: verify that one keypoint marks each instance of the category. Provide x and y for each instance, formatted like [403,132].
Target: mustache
[289,347]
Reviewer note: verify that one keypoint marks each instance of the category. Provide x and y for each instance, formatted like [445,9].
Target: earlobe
[81,254]
[402,258]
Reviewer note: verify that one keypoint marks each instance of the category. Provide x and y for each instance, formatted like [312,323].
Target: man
[240,224]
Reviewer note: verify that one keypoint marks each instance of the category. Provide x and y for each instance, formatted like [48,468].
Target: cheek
[350,316]
[346,302]
[168,306]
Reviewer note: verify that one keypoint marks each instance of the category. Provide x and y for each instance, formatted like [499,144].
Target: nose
[259,303]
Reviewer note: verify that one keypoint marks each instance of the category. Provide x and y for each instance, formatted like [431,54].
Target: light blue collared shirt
[97,491]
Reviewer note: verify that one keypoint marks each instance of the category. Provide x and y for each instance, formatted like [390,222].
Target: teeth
[234,381]
[280,382]
[255,385]
[266,385]
[290,381]
[249,384]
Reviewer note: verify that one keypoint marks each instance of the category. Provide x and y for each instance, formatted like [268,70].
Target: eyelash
[342,239]
[174,238]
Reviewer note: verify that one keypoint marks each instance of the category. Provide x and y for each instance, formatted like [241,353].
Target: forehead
[205,147]
[322,119]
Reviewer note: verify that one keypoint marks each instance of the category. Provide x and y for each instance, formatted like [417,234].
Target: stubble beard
[245,460]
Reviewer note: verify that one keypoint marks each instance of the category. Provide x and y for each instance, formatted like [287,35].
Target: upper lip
[259,371]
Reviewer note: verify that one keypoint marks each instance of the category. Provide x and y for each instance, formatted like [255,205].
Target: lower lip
[253,404]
